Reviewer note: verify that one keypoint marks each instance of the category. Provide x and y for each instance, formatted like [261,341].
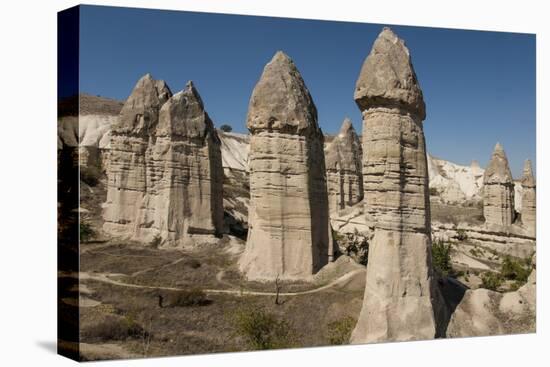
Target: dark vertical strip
[68,24]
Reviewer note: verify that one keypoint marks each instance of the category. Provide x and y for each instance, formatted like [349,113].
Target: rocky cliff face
[498,191]
[130,138]
[289,233]
[399,295]
[343,158]
[453,183]
[529,199]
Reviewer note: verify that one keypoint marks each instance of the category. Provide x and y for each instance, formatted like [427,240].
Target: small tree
[226,128]
[262,330]
[441,257]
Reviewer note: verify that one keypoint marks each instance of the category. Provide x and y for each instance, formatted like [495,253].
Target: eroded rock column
[289,232]
[344,172]
[498,190]
[185,174]
[130,138]
[400,295]
[528,199]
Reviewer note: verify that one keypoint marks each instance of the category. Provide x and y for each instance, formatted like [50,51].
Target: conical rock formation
[498,190]
[529,199]
[400,294]
[289,232]
[185,173]
[130,138]
[344,172]
[165,174]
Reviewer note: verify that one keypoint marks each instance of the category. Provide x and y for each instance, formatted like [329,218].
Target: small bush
[226,128]
[86,232]
[187,298]
[491,280]
[114,328]
[262,330]
[357,247]
[441,257]
[339,331]
[433,191]
[514,270]
[156,241]
[476,252]
[90,175]
[461,235]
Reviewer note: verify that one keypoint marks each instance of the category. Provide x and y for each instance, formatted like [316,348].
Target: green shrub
[261,329]
[433,191]
[441,257]
[491,280]
[357,247]
[514,270]
[226,128]
[86,232]
[339,331]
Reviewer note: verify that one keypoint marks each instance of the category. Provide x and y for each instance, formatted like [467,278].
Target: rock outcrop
[400,294]
[483,312]
[289,233]
[344,172]
[498,191]
[165,174]
[130,139]
[185,174]
[528,199]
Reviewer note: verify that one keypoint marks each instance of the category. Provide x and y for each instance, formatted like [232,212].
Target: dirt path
[104,278]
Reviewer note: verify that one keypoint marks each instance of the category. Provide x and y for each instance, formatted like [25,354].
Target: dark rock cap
[183,115]
[387,77]
[498,170]
[139,115]
[281,101]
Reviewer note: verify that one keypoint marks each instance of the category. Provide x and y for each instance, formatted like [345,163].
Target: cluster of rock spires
[400,296]
[288,232]
[165,179]
[165,174]
[498,194]
[343,157]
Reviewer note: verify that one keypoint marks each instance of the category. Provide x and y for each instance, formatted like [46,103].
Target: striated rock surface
[400,294]
[528,199]
[498,190]
[130,138]
[289,233]
[344,172]
[184,174]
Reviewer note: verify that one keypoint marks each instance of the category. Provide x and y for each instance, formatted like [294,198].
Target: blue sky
[479,87]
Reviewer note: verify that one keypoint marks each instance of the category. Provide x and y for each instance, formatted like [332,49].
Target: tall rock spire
[498,190]
[400,294]
[130,138]
[289,231]
[529,199]
[344,172]
[185,172]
